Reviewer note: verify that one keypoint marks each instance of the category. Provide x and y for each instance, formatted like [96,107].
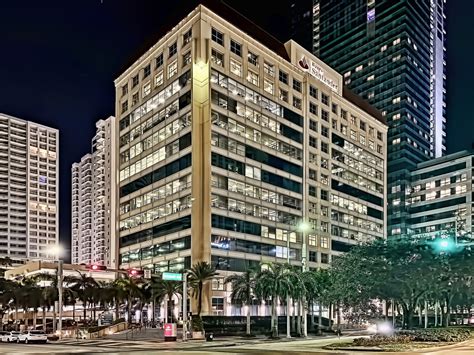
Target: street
[238,346]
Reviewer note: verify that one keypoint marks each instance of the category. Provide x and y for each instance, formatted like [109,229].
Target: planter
[199,335]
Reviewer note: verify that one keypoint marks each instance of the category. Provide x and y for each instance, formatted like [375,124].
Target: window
[125,90]
[313,142]
[362,125]
[146,89]
[324,179]
[325,115]
[296,102]
[253,58]
[172,50]
[135,99]
[235,67]
[324,195]
[312,174]
[253,78]
[359,68]
[324,147]
[284,95]
[187,37]
[397,41]
[313,125]
[371,77]
[172,69]
[379,135]
[217,305]
[268,86]
[217,58]
[324,242]
[313,92]
[324,258]
[124,106]
[344,114]
[159,79]
[217,36]
[334,108]
[159,61]
[297,85]
[283,77]
[312,191]
[312,240]
[396,141]
[334,124]
[218,284]
[186,58]
[325,131]
[268,69]
[383,48]
[147,71]
[135,81]
[325,99]
[235,47]
[313,256]
[313,108]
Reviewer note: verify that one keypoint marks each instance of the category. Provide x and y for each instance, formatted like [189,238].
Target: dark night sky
[58,60]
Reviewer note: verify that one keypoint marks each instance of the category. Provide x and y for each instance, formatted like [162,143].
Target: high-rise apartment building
[392,54]
[93,197]
[441,196]
[28,189]
[228,139]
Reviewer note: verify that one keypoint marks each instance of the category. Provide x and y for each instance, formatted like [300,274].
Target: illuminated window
[146,89]
[324,242]
[268,86]
[217,57]
[235,67]
[172,69]
[253,78]
[159,79]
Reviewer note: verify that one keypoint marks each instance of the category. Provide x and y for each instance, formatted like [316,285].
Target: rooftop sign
[318,72]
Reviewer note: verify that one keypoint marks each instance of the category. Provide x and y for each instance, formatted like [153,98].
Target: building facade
[28,189]
[393,54]
[228,139]
[440,197]
[93,231]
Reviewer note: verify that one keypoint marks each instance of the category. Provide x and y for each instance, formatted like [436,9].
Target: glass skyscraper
[392,54]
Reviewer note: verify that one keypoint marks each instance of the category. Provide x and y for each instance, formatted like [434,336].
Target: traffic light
[96,267]
[135,272]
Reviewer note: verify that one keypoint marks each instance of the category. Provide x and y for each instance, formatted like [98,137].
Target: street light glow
[56,251]
[304,227]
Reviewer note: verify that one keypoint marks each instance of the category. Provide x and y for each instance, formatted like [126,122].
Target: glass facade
[392,54]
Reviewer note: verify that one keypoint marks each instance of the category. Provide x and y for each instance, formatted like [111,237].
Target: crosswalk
[104,343]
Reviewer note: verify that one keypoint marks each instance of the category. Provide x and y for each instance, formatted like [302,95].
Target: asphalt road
[299,347]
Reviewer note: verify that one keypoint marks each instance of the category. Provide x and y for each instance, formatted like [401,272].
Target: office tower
[228,139]
[28,189]
[440,201]
[93,234]
[392,53]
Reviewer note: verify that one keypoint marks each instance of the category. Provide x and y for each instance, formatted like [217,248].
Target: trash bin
[209,336]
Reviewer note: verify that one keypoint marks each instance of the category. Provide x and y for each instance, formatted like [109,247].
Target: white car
[32,336]
[10,337]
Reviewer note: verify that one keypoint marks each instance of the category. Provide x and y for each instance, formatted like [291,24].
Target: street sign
[147,274]
[172,276]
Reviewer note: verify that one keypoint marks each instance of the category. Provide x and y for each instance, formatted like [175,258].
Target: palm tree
[130,288]
[243,287]
[274,282]
[162,288]
[199,274]
[83,285]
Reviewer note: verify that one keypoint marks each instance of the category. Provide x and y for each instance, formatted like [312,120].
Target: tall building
[441,197]
[93,198]
[28,189]
[228,139]
[392,53]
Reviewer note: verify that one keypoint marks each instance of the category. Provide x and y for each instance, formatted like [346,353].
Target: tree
[243,287]
[162,289]
[84,286]
[4,262]
[130,288]
[199,274]
[274,282]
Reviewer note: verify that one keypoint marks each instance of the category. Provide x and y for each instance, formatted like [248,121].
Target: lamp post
[304,228]
[57,252]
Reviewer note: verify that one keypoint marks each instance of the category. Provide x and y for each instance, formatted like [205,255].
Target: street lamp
[304,228]
[57,252]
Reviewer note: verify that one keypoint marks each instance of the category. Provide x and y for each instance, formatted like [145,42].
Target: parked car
[32,336]
[2,333]
[10,337]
